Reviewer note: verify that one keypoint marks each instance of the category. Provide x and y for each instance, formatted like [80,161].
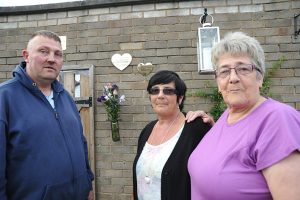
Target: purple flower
[101,98]
[115,87]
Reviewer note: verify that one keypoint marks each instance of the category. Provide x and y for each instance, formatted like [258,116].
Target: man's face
[44,60]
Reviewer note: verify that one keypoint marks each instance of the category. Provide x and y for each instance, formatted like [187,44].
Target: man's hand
[191,115]
[91,195]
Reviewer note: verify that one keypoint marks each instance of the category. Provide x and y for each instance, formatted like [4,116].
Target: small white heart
[121,61]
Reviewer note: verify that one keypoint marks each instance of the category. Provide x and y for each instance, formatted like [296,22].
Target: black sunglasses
[166,91]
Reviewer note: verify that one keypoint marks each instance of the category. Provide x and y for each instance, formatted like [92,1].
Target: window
[10,3]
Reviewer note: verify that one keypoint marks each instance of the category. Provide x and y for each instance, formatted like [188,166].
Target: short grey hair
[46,33]
[236,43]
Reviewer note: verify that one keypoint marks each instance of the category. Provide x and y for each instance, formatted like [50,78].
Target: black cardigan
[175,179]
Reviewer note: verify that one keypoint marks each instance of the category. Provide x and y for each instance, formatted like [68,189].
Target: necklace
[167,130]
[150,169]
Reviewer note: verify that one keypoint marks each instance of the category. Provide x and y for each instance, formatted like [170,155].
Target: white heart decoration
[121,61]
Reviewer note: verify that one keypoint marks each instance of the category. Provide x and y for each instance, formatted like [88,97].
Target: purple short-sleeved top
[228,161]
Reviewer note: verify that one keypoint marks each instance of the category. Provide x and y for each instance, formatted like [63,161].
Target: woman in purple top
[253,150]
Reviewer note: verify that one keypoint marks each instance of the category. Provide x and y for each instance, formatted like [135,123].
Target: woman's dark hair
[165,77]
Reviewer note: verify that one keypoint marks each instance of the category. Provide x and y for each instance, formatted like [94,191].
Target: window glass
[9,3]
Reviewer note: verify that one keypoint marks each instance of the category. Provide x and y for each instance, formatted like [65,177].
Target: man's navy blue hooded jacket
[43,152]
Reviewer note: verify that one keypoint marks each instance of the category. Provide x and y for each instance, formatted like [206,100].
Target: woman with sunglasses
[164,146]
[253,150]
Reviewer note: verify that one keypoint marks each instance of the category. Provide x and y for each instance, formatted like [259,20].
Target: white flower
[115,92]
[122,98]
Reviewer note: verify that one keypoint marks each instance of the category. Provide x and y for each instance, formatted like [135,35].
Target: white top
[150,165]
[50,99]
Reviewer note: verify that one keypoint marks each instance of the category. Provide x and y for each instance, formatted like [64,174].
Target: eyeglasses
[241,69]
[166,91]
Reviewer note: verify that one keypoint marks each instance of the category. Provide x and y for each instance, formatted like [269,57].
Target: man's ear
[25,54]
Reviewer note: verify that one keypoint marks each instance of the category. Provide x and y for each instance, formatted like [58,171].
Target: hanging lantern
[208,36]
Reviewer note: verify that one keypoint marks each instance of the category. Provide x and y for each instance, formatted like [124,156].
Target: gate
[78,81]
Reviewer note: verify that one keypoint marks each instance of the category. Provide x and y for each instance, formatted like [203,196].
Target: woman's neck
[165,128]
[167,119]
[236,114]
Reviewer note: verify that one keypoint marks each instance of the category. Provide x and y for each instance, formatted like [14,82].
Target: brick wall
[165,35]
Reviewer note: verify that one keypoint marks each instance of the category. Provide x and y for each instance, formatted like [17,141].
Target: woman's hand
[191,115]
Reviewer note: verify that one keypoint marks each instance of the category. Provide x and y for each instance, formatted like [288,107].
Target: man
[43,152]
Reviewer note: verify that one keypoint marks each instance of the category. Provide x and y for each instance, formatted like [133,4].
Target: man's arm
[87,158]
[91,193]
[2,161]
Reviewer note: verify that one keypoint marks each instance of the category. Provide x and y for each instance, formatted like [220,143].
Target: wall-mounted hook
[296,30]
[203,19]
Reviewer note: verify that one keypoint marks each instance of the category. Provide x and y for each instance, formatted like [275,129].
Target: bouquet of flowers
[112,101]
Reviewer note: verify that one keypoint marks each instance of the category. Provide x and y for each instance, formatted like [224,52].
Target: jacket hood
[20,74]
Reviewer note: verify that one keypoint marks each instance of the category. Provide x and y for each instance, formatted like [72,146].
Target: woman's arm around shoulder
[192,115]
